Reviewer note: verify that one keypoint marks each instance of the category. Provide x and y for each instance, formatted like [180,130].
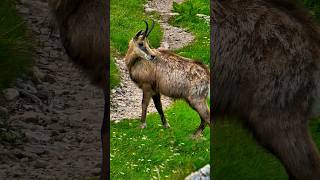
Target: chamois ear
[137,35]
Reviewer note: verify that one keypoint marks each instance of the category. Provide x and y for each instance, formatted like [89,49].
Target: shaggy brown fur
[266,71]
[162,72]
[84,34]
[83,29]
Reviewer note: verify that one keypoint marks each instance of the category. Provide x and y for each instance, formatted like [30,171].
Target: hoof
[143,126]
[166,126]
[196,136]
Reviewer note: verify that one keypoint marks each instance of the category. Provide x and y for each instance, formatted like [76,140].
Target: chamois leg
[201,107]
[145,102]
[157,102]
[200,129]
[287,137]
[104,141]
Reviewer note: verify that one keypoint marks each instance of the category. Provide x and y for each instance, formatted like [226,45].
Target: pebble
[40,164]
[30,117]
[10,94]
[37,136]
[4,110]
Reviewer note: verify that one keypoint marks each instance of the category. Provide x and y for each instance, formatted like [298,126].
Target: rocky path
[57,109]
[126,99]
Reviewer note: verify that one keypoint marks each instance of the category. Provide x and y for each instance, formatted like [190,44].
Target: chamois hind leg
[287,137]
[145,102]
[157,102]
[201,107]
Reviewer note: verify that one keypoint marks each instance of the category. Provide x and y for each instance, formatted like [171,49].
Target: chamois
[265,64]
[83,32]
[158,71]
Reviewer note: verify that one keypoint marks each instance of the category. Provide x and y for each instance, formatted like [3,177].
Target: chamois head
[139,44]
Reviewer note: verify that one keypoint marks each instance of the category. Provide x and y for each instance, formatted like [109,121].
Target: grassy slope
[234,150]
[171,152]
[200,49]
[15,48]
[126,19]
[137,154]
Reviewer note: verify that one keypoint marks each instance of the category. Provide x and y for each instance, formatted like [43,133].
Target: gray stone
[202,174]
[3,110]
[49,78]
[148,10]
[34,149]
[29,107]
[11,94]
[43,92]
[37,136]
[40,164]
[30,117]
[28,87]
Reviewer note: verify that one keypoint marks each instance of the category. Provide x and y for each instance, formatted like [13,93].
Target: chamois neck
[130,58]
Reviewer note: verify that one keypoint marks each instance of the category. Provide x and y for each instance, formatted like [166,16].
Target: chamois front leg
[145,102]
[157,102]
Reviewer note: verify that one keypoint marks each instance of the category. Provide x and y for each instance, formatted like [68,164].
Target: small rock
[173,14]
[205,171]
[3,110]
[201,15]
[30,155]
[30,117]
[148,10]
[38,150]
[40,164]
[202,174]
[49,78]
[11,94]
[28,107]
[26,159]
[43,92]
[37,136]
[29,88]
[23,10]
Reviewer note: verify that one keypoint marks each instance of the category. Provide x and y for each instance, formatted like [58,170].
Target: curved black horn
[137,35]
[146,31]
[151,28]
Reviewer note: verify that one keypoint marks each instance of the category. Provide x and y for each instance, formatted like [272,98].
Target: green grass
[126,19]
[114,74]
[187,19]
[137,154]
[172,154]
[234,150]
[314,6]
[15,47]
